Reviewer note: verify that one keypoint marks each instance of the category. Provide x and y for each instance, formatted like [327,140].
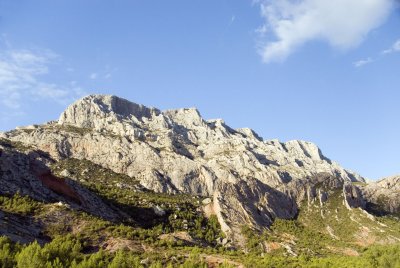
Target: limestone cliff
[250,181]
[383,196]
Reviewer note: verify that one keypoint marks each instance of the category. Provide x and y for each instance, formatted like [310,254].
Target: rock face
[390,183]
[250,181]
[353,197]
[383,196]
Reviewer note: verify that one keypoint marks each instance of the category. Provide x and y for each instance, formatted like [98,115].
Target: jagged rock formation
[383,196]
[250,181]
[353,197]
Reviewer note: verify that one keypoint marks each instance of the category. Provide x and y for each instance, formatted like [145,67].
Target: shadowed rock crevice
[21,228]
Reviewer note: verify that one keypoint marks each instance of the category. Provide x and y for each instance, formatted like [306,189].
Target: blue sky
[322,71]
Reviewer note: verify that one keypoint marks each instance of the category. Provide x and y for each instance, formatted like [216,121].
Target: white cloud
[394,48]
[22,78]
[363,62]
[342,23]
[93,76]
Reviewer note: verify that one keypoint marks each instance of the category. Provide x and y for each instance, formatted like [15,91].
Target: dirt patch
[185,237]
[79,227]
[147,248]
[272,246]
[115,244]
[214,261]
[344,251]
[288,238]
[364,237]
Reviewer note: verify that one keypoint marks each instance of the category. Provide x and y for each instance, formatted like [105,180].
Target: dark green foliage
[254,239]
[194,260]
[18,204]
[66,252]
[123,259]
[98,259]
[33,256]
[65,248]
[7,252]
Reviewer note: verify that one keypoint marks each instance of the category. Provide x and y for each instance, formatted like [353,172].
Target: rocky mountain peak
[305,148]
[187,117]
[249,180]
[86,111]
[248,132]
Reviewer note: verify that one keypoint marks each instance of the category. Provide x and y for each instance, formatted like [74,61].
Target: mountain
[127,163]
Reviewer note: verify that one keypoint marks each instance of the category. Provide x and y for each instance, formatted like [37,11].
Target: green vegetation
[67,251]
[325,236]
[376,256]
[18,204]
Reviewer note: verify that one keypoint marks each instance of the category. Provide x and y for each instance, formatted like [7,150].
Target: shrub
[124,260]
[33,256]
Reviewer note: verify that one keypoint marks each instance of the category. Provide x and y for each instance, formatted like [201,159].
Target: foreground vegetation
[68,251]
[86,248]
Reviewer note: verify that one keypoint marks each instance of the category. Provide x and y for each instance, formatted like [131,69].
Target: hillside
[114,180]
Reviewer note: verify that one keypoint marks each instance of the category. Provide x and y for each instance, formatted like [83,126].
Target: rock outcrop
[250,181]
[383,196]
[353,197]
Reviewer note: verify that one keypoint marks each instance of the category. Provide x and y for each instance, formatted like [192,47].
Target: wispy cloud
[22,77]
[104,74]
[363,62]
[93,76]
[343,24]
[394,48]
[233,18]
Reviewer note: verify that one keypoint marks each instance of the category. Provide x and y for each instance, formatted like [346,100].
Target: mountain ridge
[249,181]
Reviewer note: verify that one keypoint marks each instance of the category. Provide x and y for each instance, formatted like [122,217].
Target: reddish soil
[56,184]
[59,186]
